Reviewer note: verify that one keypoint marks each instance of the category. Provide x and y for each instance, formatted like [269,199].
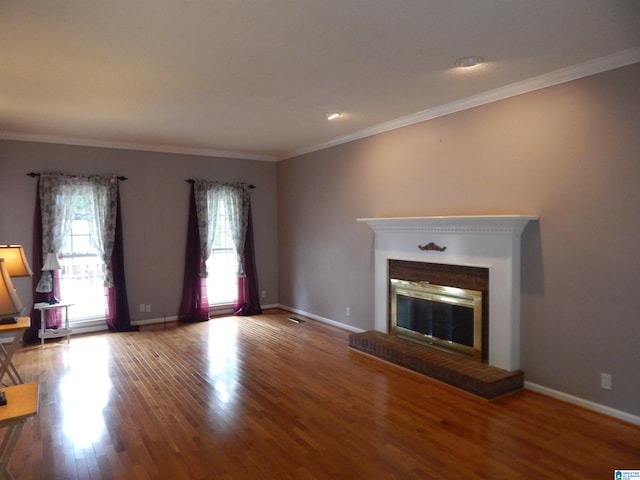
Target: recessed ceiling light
[466,62]
[333,115]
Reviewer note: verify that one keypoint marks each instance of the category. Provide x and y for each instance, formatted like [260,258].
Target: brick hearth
[475,377]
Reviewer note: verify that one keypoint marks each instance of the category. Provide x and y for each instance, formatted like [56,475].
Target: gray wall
[154,209]
[569,153]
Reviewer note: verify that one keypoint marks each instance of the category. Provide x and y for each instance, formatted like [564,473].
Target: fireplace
[488,243]
[452,301]
[438,316]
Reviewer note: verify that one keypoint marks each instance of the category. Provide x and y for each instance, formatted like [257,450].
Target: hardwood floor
[265,398]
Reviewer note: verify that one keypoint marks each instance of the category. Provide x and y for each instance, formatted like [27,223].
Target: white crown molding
[84,142]
[575,72]
[599,65]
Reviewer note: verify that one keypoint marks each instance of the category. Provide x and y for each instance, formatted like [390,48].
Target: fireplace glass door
[443,317]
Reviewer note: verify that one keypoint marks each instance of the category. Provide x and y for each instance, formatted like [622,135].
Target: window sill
[221,309]
[87,323]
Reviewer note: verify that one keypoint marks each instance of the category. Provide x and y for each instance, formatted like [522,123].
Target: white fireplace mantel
[489,241]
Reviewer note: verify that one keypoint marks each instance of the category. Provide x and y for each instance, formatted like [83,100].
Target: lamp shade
[15,261]
[10,303]
[51,262]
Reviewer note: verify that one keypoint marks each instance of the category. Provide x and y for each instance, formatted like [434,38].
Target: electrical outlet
[606,381]
[142,308]
[147,308]
[348,311]
[264,294]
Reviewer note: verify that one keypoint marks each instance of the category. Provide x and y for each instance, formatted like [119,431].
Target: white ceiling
[254,78]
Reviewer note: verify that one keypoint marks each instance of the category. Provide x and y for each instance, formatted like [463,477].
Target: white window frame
[73,287]
[222,268]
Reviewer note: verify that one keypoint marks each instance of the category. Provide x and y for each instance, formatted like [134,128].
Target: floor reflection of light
[223,359]
[84,392]
[223,393]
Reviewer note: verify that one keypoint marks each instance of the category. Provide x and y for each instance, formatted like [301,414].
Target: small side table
[6,354]
[53,332]
[22,403]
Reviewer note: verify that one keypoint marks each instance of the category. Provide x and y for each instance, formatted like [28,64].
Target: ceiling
[255,78]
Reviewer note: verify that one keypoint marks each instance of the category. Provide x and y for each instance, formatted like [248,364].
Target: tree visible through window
[82,275]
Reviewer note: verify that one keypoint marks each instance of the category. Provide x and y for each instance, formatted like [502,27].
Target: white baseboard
[213,312]
[271,305]
[612,412]
[216,311]
[344,326]
[596,407]
[91,329]
[154,321]
[102,326]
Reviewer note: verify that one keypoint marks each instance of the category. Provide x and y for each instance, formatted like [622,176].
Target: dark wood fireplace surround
[459,371]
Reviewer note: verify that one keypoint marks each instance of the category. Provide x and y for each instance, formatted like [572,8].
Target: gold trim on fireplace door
[438,293]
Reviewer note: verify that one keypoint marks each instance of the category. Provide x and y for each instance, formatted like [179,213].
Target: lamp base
[6,320]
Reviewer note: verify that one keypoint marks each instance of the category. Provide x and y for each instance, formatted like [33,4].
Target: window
[78,217]
[221,211]
[222,265]
[82,275]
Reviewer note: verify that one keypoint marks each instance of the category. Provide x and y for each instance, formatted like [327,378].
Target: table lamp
[10,303]
[50,265]
[15,261]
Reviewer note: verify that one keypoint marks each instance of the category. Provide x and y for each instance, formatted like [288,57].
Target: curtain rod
[37,174]
[191,180]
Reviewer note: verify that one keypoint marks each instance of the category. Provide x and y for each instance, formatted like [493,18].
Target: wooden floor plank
[265,398]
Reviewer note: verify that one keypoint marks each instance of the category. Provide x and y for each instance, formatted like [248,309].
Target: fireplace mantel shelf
[464,224]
